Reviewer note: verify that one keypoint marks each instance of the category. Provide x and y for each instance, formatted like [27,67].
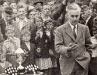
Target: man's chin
[74,23]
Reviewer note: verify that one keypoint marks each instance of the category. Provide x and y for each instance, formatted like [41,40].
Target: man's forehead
[74,12]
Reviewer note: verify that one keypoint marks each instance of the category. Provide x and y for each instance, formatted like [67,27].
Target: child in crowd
[28,48]
[10,45]
[3,64]
[42,59]
[49,24]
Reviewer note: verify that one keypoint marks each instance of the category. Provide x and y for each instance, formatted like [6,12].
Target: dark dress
[29,57]
[43,59]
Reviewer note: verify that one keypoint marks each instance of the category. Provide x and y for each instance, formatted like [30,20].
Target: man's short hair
[8,10]
[73,6]
[22,5]
[84,8]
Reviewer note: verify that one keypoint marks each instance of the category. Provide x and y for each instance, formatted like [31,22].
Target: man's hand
[72,47]
[51,52]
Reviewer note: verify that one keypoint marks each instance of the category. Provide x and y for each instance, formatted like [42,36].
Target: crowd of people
[42,30]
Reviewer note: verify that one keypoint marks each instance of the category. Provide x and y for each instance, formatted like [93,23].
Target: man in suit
[73,43]
[87,18]
[6,20]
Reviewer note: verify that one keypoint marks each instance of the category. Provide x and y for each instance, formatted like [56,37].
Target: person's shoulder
[16,39]
[6,41]
[82,25]
[32,44]
[62,27]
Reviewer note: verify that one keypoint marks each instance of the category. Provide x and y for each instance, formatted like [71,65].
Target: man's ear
[66,16]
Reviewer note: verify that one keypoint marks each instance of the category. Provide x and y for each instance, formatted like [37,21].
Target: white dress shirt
[21,22]
[72,26]
[28,45]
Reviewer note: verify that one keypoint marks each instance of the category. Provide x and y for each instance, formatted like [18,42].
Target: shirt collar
[72,26]
[18,20]
[88,19]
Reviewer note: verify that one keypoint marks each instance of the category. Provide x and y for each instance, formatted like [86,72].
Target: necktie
[74,33]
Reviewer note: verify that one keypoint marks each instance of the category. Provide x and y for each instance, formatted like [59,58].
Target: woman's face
[49,25]
[39,23]
[31,15]
[26,37]
[10,34]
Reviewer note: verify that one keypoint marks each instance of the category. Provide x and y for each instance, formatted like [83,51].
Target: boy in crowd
[8,12]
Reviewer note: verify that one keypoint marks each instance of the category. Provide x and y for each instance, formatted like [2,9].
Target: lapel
[79,31]
[31,47]
[69,31]
[25,22]
[25,46]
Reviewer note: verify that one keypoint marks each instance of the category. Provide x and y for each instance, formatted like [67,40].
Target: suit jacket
[30,55]
[3,26]
[63,37]
[89,24]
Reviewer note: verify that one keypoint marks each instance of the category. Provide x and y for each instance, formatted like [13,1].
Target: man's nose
[74,18]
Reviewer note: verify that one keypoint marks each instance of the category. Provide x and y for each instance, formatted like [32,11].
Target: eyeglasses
[74,16]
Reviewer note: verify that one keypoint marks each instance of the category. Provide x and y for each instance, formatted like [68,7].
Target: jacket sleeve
[58,12]
[59,46]
[88,42]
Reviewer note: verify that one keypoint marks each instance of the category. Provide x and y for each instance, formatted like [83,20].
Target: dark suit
[30,55]
[3,26]
[89,24]
[63,37]
[58,13]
